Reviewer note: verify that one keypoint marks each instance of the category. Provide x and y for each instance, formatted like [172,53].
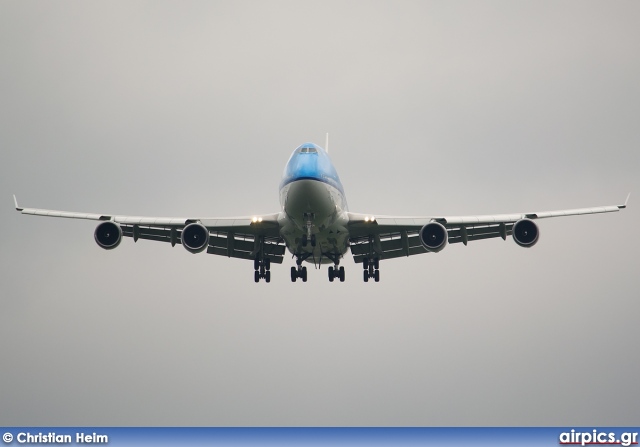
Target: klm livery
[315,225]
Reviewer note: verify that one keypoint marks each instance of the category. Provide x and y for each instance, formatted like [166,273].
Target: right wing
[235,237]
[388,237]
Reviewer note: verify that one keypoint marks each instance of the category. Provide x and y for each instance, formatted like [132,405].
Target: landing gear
[335,272]
[371,269]
[307,236]
[300,272]
[262,269]
[305,240]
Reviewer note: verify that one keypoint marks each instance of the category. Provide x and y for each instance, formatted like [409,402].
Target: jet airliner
[316,227]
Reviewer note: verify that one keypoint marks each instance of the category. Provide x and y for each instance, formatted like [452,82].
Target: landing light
[256,219]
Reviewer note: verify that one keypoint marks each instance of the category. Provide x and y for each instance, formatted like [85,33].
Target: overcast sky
[434,108]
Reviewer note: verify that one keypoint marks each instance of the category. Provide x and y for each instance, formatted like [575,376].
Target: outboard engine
[433,236]
[525,233]
[195,237]
[108,235]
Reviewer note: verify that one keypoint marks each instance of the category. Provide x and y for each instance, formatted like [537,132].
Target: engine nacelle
[525,233]
[434,236]
[108,235]
[195,237]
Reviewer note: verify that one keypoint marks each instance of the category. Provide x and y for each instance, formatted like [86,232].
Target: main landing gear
[335,272]
[262,269]
[299,271]
[371,269]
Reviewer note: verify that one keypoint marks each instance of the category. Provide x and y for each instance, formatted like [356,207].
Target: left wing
[388,237]
[243,237]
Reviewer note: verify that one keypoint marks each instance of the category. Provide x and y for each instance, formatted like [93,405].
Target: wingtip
[625,202]
[15,201]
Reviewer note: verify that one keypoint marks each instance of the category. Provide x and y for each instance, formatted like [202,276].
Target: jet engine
[433,236]
[108,235]
[525,233]
[195,237]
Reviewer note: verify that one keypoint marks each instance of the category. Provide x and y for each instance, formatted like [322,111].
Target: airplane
[315,226]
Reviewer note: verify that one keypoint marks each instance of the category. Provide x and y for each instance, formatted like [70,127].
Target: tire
[256,264]
[304,274]
[331,274]
[304,240]
[267,276]
[376,276]
[256,276]
[366,276]
[313,240]
[267,263]
[341,274]
[294,274]
[365,263]
[376,263]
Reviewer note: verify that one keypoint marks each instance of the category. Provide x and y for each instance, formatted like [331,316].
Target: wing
[235,237]
[393,236]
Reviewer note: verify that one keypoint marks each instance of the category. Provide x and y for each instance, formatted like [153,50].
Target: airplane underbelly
[309,197]
[320,205]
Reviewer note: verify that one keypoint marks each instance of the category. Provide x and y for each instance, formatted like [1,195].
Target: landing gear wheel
[366,276]
[267,276]
[341,274]
[365,263]
[376,276]
[304,240]
[313,240]
[256,276]
[304,274]
[376,263]
[267,264]
[256,264]
[331,274]
[294,274]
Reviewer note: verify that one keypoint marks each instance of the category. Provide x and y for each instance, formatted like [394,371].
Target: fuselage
[313,219]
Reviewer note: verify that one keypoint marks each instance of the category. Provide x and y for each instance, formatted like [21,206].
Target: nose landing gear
[308,217]
[306,239]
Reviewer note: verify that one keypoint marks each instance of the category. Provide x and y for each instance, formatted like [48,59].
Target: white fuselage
[313,205]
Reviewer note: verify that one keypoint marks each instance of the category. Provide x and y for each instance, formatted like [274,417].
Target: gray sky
[192,108]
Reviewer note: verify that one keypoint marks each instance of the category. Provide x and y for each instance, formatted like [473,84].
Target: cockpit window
[308,150]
